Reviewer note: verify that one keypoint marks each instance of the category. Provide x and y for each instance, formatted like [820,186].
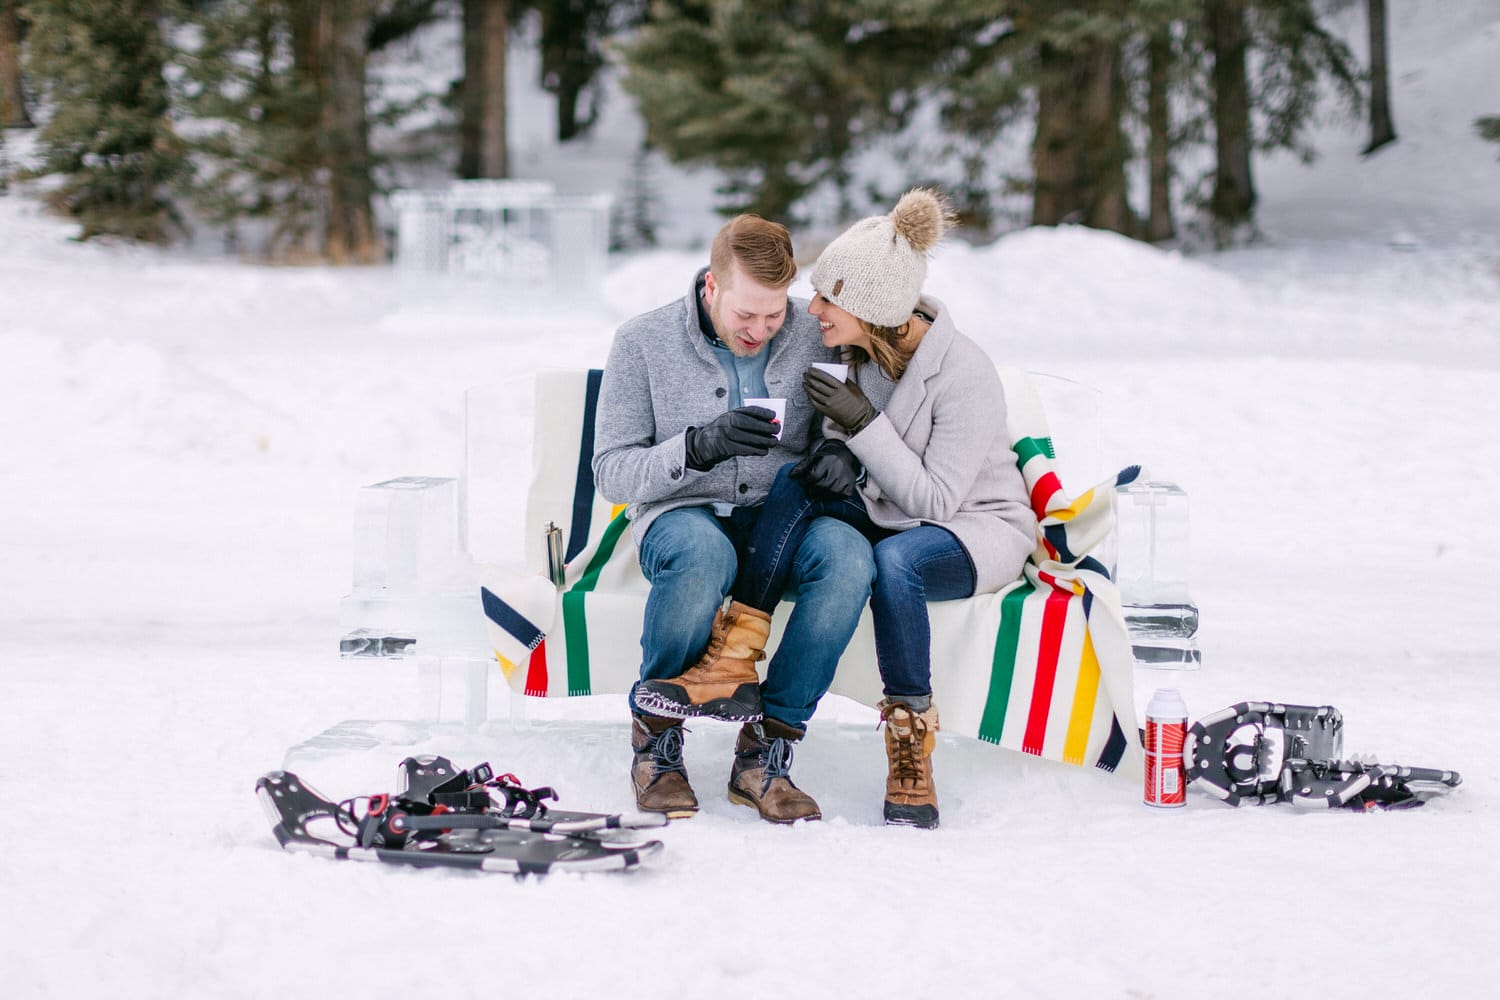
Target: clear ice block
[405,534]
[1151,568]
[414,589]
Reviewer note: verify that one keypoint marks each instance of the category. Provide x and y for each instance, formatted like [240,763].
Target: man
[675,440]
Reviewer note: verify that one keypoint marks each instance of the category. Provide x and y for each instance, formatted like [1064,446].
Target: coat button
[721,392]
[744,487]
[676,473]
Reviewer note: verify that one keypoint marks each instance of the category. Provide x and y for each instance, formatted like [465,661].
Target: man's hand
[829,472]
[750,430]
[842,402]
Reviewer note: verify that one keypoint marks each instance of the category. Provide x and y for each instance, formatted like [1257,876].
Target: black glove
[842,402]
[750,430]
[829,472]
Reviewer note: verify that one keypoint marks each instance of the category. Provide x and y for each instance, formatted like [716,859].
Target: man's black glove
[842,402]
[828,472]
[750,430]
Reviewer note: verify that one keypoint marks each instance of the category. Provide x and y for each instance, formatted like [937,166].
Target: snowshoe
[1239,752]
[1264,752]
[446,817]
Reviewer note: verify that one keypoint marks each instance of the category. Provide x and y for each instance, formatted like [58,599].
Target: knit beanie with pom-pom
[876,268]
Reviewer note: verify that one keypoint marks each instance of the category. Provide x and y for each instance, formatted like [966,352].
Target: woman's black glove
[829,472]
[750,430]
[842,402]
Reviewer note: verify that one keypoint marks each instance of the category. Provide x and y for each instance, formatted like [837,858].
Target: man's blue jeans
[912,567]
[691,557]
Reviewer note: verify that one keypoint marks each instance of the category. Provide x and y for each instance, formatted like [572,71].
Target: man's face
[745,313]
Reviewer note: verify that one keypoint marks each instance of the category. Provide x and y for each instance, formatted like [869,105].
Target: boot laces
[773,757]
[665,748]
[906,765]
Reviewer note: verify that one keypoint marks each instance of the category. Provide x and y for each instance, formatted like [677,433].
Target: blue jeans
[691,558]
[912,567]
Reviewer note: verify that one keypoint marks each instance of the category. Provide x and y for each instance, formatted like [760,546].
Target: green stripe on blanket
[1028,448]
[574,624]
[1003,671]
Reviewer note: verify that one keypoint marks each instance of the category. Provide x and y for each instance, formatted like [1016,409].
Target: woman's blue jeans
[912,567]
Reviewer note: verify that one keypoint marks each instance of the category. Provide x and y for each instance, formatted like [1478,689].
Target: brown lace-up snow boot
[910,797]
[723,683]
[659,777]
[761,776]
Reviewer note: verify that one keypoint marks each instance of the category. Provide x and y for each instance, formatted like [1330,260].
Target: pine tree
[1488,128]
[278,89]
[109,140]
[572,42]
[777,93]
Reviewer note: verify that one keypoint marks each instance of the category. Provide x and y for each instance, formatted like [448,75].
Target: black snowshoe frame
[1262,752]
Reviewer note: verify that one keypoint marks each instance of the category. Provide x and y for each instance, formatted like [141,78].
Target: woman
[921,420]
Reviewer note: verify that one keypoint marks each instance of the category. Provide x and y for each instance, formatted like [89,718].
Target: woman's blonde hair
[888,348]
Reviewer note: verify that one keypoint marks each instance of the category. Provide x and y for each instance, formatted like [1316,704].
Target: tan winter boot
[723,683]
[660,780]
[761,776]
[910,796]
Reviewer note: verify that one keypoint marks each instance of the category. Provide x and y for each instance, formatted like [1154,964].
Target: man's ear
[710,288]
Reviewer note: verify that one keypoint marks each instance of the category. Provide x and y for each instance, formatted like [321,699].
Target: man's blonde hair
[761,247]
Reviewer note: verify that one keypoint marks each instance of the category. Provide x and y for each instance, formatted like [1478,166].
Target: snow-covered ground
[182,439]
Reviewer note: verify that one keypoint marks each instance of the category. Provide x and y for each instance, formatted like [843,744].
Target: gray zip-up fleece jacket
[939,453]
[662,378]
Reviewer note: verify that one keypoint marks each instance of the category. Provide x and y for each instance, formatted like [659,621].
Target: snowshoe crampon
[1264,752]
[446,817]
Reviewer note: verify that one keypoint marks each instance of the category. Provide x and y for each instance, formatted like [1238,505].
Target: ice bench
[1044,667]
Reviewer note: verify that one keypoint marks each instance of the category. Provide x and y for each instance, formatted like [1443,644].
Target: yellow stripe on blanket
[1072,510]
[1075,747]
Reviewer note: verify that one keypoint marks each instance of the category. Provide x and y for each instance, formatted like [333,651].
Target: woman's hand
[842,402]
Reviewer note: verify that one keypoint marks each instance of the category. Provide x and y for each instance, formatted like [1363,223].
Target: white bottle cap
[1167,703]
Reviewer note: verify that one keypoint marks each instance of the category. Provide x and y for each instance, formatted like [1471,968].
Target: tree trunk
[482,147]
[1233,201]
[1382,130]
[12,94]
[1054,149]
[1159,225]
[341,33]
[1079,151]
[1104,150]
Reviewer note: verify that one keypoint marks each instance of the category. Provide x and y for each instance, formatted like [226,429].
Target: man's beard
[723,333]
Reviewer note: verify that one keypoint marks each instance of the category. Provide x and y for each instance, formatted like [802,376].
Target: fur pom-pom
[921,217]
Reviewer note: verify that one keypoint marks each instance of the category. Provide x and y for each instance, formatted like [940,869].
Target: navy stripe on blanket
[512,621]
[583,485]
[1114,747]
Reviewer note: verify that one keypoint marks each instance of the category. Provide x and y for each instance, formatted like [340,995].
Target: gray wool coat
[662,378]
[939,453]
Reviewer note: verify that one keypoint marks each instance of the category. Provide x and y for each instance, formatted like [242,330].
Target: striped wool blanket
[1043,667]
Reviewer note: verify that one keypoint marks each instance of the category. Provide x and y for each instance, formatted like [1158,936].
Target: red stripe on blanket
[536,671]
[1042,493]
[1053,618]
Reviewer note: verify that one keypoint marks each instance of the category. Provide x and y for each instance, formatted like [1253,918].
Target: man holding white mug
[679,438]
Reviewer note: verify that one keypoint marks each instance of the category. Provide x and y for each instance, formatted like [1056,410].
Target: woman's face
[840,329]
